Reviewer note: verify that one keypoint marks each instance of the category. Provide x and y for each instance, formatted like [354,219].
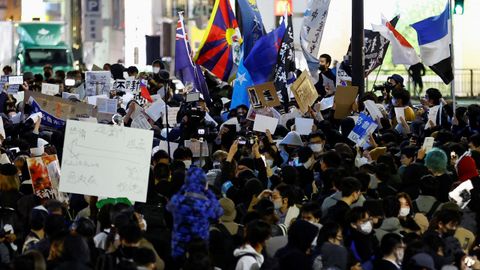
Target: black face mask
[322,68]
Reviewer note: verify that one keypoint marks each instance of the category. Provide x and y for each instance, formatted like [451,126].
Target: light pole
[358,68]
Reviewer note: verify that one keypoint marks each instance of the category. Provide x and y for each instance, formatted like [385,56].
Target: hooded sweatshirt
[389,225]
[249,258]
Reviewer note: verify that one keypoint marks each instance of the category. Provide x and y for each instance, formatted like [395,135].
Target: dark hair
[37,219]
[160,154]
[257,232]
[327,57]
[389,242]
[429,185]
[304,154]
[329,230]
[317,134]
[364,179]
[409,151]
[55,226]
[7,68]
[391,206]
[401,94]
[350,185]
[182,153]
[434,94]
[332,159]
[286,191]
[75,248]
[161,171]
[131,233]
[446,216]
[313,208]
[355,214]
[475,139]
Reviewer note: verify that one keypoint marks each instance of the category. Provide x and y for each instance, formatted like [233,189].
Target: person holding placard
[436,118]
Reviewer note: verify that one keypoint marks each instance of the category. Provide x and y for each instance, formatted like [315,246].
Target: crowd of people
[273,200]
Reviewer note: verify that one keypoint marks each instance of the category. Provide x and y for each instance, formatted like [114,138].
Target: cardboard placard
[61,108]
[344,99]
[264,95]
[107,161]
[45,175]
[304,91]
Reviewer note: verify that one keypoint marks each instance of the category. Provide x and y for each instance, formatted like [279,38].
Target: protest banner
[364,126]
[304,91]
[107,161]
[265,95]
[45,174]
[344,99]
[120,85]
[50,89]
[97,83]
[60,108]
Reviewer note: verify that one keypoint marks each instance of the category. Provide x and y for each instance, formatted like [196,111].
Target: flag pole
[452,83]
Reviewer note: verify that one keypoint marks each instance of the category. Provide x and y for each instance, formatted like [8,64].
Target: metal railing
[467,82]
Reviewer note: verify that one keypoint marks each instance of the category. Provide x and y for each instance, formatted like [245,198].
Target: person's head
[47,71]
[330,159]
[161,172]
[400,97]
[37,219]
[305,157]
[407,155]
[301,235]
[391,206]
[157,65]
[60,75]
[316,142]
[359,219]
[331,232]
[283,197]
[257,232]
[107,66]
[392,246]
[132,71]
[84,227]
[265,211]
[474,142]
[130,234]
[405,204]
[436,161]
[145,257]
[396,81]
[432,97]
[9,178]
[325,61]
[351,189]
[446,221]
[75,249]
[7,70]
[311,212]
[160,157]
[183,154]
[429,185]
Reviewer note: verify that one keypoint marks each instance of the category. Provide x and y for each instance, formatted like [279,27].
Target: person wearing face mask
[359,235]
[185,155]
[410,220]
[290,143]
[324,70]
[442,229]
[392,248]
[330,252]
[304,165]
[47,72]
[351,191]
[401,99]
[391,223]
[284,203]
[316,142]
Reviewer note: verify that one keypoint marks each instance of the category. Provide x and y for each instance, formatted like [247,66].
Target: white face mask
[316,147]
[187,163]
[366,228]
[156,70]
[404,211]
[269,163]
[399,255]
[277,204]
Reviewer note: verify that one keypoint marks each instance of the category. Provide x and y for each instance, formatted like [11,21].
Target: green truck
[42,43]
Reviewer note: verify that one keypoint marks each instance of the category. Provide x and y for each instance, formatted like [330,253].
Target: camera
[249,139]
[386,86]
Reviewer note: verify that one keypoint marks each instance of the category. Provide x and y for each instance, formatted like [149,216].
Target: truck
[34,45]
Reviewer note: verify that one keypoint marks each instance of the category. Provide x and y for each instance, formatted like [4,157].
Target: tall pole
[452,55]
[358,68]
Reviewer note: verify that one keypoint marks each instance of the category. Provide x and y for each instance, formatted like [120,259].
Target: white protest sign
[373,109]
[120,85]
[155,110]
[15,79]
[4,159]
[326,103]
[303,125]
[400,113]
[50,89]
[97,82]
[107,161]
[432,116]
[172,115]
[107,105]
[141,122]
[262,123]
[428,143]
[92,100]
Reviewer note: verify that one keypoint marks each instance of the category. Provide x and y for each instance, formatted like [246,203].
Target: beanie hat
[466,168]
[436,160]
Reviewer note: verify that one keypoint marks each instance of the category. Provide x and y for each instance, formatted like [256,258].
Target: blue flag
[263,56]
[240,85]
[185,70]
[250,23]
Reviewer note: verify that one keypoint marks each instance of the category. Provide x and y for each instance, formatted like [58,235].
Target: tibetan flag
[434,37]
[219,50]
[144,92]
[262,59]
[250,23]
[185,70]
[402,51]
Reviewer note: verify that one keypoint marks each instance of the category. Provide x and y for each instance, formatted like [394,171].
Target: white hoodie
[247,262]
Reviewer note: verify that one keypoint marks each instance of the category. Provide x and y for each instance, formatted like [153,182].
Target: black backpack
[222,245]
